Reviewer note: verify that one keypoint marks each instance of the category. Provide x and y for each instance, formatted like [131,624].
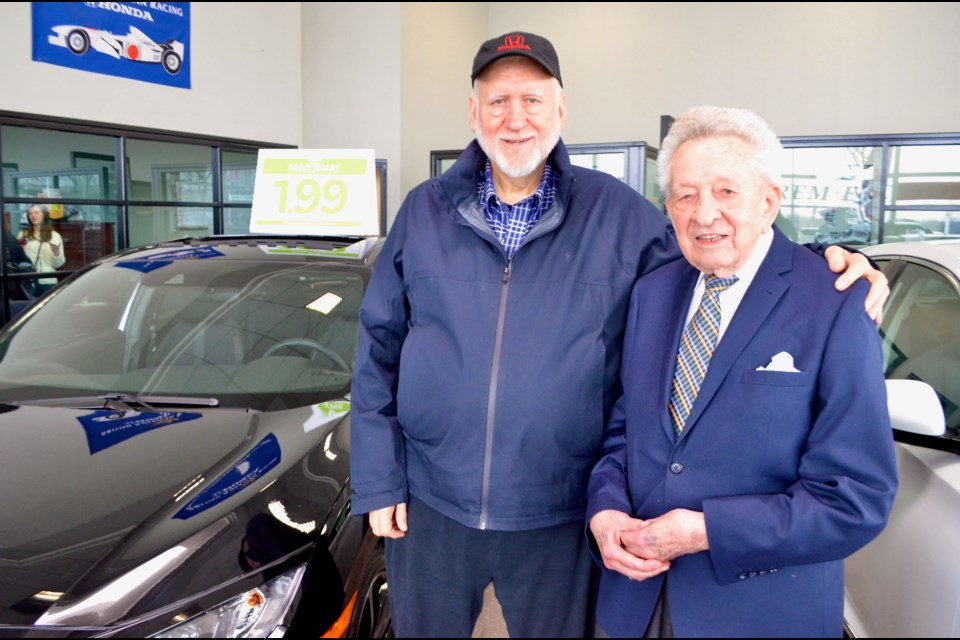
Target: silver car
[906,583]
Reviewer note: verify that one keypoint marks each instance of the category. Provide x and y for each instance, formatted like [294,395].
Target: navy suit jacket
[794,471]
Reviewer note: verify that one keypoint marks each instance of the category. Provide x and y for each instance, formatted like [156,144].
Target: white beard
[519,164]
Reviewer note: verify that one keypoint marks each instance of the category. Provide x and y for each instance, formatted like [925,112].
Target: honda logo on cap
[513,42]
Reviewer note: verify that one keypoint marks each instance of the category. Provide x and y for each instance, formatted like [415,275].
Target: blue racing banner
[148,41]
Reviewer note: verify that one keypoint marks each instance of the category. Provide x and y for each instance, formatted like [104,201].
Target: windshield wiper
[123,401]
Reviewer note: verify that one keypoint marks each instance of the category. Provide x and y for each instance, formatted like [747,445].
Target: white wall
[352,80]
[439,42]
[245,76]
[390,76]
[809,68]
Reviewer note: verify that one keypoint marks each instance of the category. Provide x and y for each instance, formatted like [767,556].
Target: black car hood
[93,497]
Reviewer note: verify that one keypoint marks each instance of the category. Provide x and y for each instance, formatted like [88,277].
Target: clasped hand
[642,549]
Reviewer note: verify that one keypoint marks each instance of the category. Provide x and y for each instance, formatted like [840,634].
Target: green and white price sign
[315,192]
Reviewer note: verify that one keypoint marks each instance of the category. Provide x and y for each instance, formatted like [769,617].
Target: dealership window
[178,174]
[922,197]
[634,163]
[872,189]
[169,186]
[828,194]
[239,171]
[72,173]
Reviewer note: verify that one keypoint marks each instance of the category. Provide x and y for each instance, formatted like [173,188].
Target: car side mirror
[915,408]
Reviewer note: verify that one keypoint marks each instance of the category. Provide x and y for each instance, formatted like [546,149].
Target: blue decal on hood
[264,456]
[108,428]
[156,261]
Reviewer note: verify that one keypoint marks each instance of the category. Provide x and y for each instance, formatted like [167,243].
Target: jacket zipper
[492,397]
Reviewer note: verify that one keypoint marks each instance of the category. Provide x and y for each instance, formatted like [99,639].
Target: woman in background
[43,245]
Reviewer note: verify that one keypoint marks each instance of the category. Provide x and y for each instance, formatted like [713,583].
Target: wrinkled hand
[674,534]
[608,527]
[390,522]
[854,266]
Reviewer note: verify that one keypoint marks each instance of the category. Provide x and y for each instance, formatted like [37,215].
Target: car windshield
[266,335]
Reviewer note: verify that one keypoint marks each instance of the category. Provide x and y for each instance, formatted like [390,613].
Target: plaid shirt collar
[543,195]
[511,223]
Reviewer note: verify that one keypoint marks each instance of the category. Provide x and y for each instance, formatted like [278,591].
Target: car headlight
[255,614]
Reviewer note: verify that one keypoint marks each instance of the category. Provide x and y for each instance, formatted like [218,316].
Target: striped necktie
[696,346]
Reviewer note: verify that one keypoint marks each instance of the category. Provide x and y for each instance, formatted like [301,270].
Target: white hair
[713,122]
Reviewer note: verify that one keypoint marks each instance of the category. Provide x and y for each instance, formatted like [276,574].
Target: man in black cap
[490,340]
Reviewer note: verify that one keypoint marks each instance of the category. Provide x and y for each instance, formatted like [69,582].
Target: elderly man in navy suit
[751,451]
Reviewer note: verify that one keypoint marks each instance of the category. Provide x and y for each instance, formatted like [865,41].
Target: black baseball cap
[517,43]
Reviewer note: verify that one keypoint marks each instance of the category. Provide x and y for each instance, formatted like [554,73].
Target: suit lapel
[765,291]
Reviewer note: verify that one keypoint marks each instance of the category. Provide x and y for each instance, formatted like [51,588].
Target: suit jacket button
[676,467]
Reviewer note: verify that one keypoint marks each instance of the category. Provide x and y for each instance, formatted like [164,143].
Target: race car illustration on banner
[136,45]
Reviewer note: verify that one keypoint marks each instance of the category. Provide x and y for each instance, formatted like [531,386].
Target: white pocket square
[783,361]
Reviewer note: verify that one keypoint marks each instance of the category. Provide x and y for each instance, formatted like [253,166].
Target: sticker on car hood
[355,250]
[158,260]
[325,412]
[106,429]
[265,455]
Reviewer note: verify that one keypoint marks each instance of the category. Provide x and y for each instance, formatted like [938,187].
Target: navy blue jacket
[482,385]
[793,467]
